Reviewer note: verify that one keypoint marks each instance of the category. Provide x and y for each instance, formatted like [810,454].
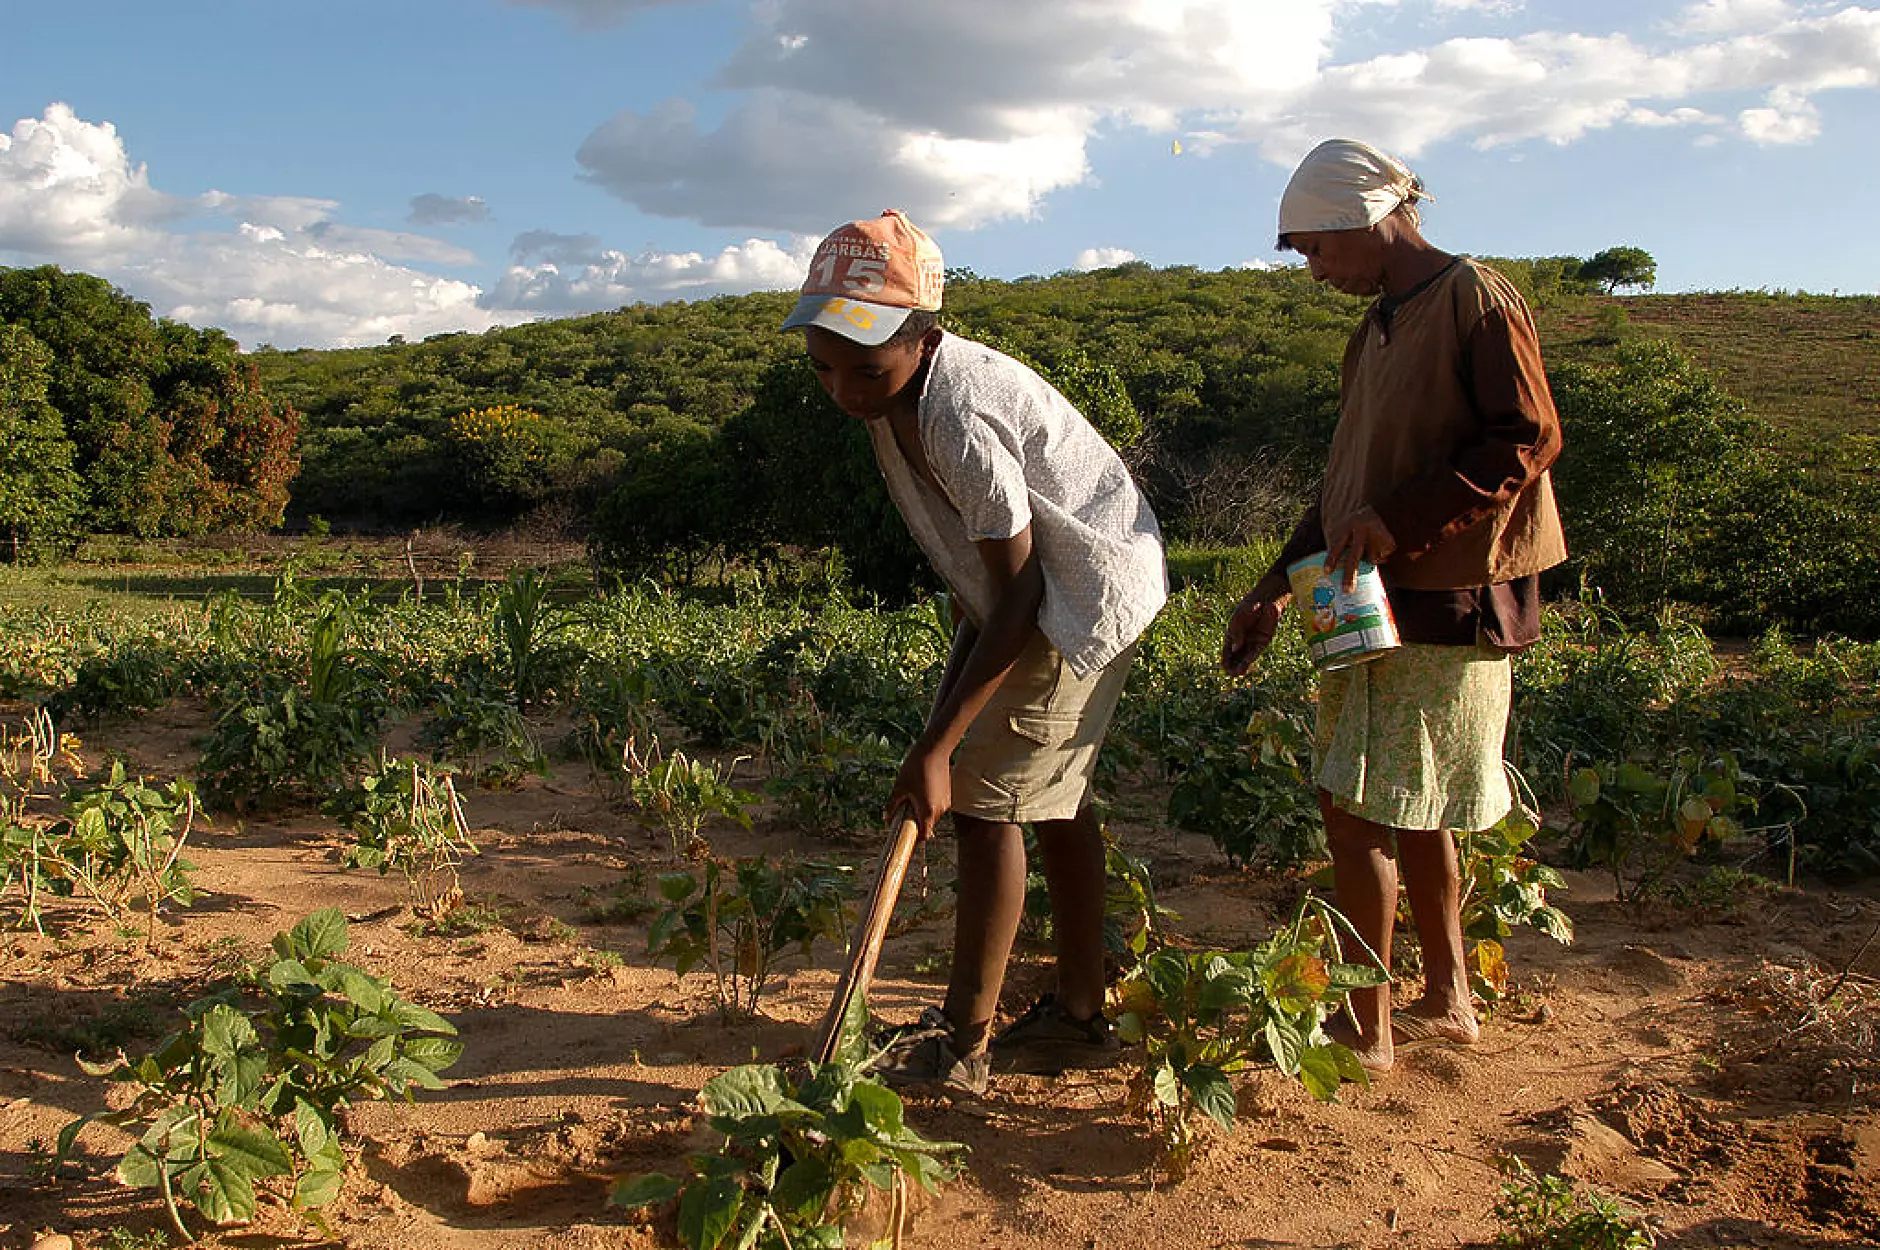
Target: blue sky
[322,175]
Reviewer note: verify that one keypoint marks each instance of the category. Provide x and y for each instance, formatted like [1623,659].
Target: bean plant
[678,794]
[1503,886]
[1546,1213]
[797,1160]
[1639,824]
[1200,1017]
[252,1086]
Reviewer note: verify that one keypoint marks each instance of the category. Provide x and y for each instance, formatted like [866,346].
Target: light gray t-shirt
[1009,451]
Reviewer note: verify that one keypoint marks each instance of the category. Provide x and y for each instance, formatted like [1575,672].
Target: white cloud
[977,110]
[431,209]
[1787,119]
[66,187]
[266,269]
[1102,258]
[962,113]
[1559,87]
[1718,17]
[557,273]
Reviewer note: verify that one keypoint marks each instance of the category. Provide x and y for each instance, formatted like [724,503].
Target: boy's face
[865,382]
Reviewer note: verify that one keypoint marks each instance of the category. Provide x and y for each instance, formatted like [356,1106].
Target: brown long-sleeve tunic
[1447,430]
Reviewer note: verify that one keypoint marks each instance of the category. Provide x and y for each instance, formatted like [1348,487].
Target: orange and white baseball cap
[868,276]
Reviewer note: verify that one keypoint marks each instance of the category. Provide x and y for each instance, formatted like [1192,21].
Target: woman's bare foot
[1424,1022]
[1375,1057]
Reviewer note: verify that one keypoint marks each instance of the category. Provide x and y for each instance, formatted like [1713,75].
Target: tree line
[673,436]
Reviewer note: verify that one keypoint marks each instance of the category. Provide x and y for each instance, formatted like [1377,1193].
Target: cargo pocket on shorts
[1053,735]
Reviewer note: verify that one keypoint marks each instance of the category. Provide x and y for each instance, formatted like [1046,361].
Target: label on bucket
[1342,626]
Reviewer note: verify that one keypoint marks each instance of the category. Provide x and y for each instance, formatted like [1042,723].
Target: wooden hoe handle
[865,947]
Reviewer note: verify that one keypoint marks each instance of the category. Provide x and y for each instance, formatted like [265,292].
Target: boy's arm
[924,784]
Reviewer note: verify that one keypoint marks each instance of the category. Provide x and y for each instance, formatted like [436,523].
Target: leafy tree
[1651,444]
[171,433]
[1620,266]
[39,493]
[506,456]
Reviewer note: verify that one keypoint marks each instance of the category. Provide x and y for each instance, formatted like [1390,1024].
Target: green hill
[1808,364]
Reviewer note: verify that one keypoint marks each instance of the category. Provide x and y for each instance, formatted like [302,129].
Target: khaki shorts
[1030,753]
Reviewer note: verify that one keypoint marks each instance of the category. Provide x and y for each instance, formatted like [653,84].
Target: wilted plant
[406,817]
[1639,825]
[126,838]
[736,918]
[679,794]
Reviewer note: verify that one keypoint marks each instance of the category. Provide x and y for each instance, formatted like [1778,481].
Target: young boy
[1055,565]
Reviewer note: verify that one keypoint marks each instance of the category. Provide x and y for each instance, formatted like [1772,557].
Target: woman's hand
[1361,537]
[1255,621]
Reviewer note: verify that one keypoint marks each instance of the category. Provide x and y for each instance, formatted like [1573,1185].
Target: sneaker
[923,1053]
[1048,1040]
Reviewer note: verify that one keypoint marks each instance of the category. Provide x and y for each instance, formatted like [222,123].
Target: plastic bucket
[1343,627]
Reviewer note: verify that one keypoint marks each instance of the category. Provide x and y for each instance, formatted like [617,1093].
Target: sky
[333,174]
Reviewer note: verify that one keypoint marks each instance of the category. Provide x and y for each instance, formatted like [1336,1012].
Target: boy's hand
[924,786]
[1250,630]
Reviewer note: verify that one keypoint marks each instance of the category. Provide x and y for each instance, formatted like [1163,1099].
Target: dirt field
[1666,1057]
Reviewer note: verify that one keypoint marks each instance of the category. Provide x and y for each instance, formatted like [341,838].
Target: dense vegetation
[679,436]
[113,421]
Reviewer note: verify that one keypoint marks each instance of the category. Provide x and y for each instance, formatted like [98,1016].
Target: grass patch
[1807,364]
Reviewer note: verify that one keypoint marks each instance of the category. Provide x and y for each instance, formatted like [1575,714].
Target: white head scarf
[1346,185]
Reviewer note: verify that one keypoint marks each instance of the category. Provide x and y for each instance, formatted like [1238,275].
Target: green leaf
[139,1168]
[287,973]
[754,1089]
[320,936]
[708,1209]
[401,1072]
[881,1107]
[229,1038]
[310,1128]
[249,1152]
[649,1189]
[364,991]
[435,1053]
[676,887]
[318,1187]
[1287,1037]
[1167,1086]
[1213,1093]
[226,1194]
[424,1020]
[804,1189]
[1320,1072]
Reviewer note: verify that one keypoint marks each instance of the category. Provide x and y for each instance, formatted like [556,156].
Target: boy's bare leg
[1364,859]
[992,898]
[1072,851]
[1433,879]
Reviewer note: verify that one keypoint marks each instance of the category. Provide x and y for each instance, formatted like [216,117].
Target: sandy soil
[1663,1058]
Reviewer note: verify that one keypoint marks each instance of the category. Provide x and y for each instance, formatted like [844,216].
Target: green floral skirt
[1413,739]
